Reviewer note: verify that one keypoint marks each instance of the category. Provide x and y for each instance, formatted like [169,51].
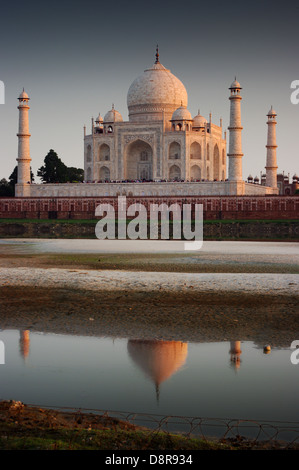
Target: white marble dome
[113,116]
[156,91]
[182,114]
[199,121]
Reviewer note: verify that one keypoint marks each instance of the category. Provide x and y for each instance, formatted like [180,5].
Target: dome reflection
[159,360]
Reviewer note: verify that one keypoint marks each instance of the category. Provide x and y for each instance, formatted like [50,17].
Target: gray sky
[77,58]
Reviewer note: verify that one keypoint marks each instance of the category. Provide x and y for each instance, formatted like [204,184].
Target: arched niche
[139,161]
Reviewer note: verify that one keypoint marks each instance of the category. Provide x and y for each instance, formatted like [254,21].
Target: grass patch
[15,436]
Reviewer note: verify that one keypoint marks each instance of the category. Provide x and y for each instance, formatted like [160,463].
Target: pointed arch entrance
[139,161]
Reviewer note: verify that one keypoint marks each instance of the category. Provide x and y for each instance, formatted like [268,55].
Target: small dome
[23,95]
[113,116]
[256,178]
[199,121]
[99,118]
[295,177]
[272,112]
[181,114]
[235,84]
[250,177]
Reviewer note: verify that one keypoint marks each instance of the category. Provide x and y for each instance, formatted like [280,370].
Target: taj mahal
[161,149]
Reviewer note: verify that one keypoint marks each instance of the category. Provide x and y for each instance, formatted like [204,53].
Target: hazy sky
[77,58]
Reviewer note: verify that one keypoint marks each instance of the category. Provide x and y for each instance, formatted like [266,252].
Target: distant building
[286,186]
[160,151]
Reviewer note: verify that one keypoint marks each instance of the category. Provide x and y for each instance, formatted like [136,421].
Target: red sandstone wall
[214,207]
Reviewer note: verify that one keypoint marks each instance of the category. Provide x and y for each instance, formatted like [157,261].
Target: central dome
[155,92]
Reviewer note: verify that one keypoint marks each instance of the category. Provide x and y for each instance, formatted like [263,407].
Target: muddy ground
[78,296]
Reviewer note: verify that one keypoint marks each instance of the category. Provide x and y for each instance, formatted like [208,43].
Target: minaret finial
[157,55]
[157,393]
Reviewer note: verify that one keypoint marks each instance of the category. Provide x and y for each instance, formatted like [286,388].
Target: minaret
[271,165]
[24,343]
[23,159]
[235,352]
[235,139]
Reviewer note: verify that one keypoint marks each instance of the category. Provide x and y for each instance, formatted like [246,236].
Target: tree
[13,179]
[75,174]
[6,189]
[55,171]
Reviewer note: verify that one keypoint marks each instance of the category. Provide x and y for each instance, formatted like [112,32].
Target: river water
[236,379]
[208,380]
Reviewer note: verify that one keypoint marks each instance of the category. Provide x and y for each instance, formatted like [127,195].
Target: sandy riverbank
[147,296]
[171,306]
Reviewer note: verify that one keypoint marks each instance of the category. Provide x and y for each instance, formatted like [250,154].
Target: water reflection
[197,379]
[24,343]
[235,354]
[159,360]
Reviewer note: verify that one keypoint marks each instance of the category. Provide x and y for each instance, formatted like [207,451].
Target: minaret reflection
[159,360]
[235,354]
[24,343]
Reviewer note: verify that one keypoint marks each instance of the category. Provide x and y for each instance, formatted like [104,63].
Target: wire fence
[245,432]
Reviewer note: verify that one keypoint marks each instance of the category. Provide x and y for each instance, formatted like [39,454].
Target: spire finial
[157,55]
[157,392]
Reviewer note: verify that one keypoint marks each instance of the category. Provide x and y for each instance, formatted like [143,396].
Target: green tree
[6,189]
[55,171]
[13,179]
[75,174]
